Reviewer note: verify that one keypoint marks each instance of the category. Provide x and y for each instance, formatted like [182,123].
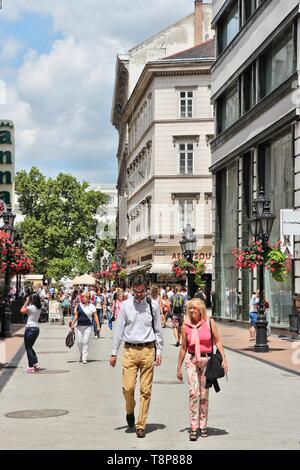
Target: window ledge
[239,35]
[254,112]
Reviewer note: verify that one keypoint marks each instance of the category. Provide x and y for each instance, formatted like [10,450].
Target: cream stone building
[165,127]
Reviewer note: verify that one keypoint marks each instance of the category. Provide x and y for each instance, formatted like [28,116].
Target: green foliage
[59,226]
[197,267]
[277,263]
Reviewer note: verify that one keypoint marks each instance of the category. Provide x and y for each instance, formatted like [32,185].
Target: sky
[57,68]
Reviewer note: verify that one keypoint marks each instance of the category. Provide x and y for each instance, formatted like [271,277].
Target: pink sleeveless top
[204,338]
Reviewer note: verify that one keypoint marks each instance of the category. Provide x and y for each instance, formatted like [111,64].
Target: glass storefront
[226,239]
[275,173]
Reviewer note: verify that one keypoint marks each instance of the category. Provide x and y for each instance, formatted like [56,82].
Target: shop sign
[197,256]
[159,253]
[290,222]
[7,164]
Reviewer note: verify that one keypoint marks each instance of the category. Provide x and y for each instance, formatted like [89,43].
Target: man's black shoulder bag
[151,310]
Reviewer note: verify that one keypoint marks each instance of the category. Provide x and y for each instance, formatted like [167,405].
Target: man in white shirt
[139,325]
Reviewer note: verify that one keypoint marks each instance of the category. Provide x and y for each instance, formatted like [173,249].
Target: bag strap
[211,337]
[151,310]
[83,313]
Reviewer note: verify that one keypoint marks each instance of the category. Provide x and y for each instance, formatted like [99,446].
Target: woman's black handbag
[70,339]
[214,369]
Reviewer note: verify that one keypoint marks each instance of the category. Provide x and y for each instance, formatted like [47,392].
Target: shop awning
[138,269]
[163,268]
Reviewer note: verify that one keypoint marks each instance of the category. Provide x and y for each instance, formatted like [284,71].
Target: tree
[59,228]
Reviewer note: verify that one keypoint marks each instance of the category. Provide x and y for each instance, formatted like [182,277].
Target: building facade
[170,124]
[165,127]
[257,145]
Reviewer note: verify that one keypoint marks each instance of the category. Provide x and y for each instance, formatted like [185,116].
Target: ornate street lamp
[261,224]
[8,227]
[188,248]
[18,244]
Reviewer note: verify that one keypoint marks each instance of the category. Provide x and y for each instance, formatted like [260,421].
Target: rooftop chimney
[198,22]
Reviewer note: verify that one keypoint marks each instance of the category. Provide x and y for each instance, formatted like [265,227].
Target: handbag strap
[211,337]
[151,310]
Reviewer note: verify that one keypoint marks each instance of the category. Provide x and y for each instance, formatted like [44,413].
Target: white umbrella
[85,279]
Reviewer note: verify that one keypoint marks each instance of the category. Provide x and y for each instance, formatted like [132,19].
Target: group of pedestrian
[140,316]
[139,326]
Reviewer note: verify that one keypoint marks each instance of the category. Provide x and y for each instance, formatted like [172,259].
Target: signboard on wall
[7,162]
[55,311]
[290,222]
[289,226]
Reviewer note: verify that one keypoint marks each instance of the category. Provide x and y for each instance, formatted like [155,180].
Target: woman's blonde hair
[200,306]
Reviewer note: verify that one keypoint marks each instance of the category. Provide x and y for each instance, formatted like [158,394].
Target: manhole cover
[167,382]
[52,352]
[46,371]
[32,414]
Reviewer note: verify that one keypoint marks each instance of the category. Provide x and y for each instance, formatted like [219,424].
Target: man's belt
[138,345]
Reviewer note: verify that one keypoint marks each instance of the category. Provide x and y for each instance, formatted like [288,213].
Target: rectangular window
[229,27]
[185,214]
[228,107]
[249,9]
[186,104]
[277,64]
[249,87]
[186,156]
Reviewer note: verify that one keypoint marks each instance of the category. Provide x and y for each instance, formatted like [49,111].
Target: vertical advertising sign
[7,164]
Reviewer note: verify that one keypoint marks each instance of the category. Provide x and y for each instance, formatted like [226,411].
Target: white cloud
[61,101]
[10,48]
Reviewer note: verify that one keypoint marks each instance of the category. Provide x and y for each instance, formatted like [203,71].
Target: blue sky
[57,61]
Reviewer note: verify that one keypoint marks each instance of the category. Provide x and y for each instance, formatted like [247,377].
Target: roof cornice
[164,69]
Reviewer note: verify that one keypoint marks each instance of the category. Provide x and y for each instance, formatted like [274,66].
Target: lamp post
[188,248]
[261,224]
[18,244]
[8,227]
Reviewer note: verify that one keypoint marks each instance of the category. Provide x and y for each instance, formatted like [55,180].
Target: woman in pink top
[117,304]
[196,340]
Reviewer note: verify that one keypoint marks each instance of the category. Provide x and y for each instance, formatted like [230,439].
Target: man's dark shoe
[140,432]
[130,420]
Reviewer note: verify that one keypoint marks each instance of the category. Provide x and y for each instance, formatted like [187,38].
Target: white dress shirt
[134,325]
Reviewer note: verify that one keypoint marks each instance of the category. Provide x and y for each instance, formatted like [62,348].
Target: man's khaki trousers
[138,359]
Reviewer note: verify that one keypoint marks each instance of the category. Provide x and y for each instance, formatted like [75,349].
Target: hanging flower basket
[116,273]
[255,255]
[181,267]
[12,257]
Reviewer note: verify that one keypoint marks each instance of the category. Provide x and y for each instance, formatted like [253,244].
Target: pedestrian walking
[117,304]
[178,306]
[165,308]
[138,324]
[253,309]
[84,314]
[100,304]
[32,308]
[200,294]
[198,335]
